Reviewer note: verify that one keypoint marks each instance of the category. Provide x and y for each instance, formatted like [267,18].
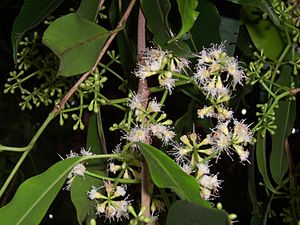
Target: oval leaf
[285,117]
[264,34]
[183,213]
[165,173]
[206,29]
[264,5]
[88,9]
[262,163]
[32,13]
[35,195]
[156,13]
[76,41]
[188,13]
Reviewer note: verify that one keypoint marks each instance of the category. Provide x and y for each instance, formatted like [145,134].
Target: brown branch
[143,93]
[62,103]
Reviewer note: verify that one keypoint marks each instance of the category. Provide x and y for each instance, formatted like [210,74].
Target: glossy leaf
[77,42]
[264,5]
[262,162]
[206,29]
[83,205]
[93,143]
[88,9]
[34,196]
[285,117]
[156,13]
[165,173]
[32,13]
[188,13]
[183,213]
[264,34]
[229,29]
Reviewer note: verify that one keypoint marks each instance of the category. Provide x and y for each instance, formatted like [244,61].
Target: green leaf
[285,117]
[126,40]
[264,5]
[183,213]
[88,9]
[34,196]
[32,13]
[264,34]
[188,13]
[206,29]
[229,29]
[156,13]
[84,206]
[262,162]
[93,143]
[165,173]
[77,42]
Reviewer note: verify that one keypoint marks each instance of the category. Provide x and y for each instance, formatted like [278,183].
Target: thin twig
[62,103]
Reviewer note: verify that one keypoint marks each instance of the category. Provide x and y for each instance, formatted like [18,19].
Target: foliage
[160,111]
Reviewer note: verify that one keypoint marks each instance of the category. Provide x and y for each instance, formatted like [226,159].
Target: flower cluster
[162,63]
[113,204]
[213,64]
[150,121]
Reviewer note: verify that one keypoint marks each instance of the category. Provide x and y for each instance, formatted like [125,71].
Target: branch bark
[143,92]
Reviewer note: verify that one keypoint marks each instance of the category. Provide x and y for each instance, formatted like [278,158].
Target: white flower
[206,112]
[217,51]
[100,208]
[135,103]
[181,153]
[121,208]
[168,135]
[84,152]
[205,193]
[202,169]
[241,132]
[114,168]
[78,170]
[120,191]
[168,83]
[137,134]
[154,106]
[235,72]
[210,182]
[202,75]
[186,168]
[221,138]
[72,154]
[204,57]
[93,193]
[243,154]
[223,113]
[162,132]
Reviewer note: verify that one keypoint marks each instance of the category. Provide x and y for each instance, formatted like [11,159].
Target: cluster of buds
[161,63]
